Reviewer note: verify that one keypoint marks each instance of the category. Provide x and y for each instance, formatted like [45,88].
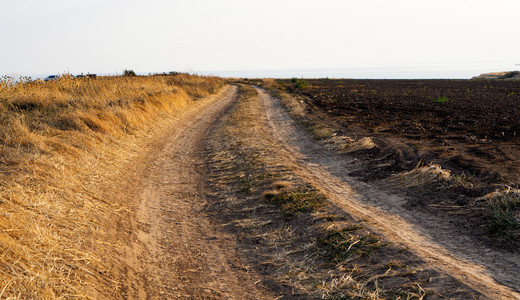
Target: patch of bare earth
[436,243]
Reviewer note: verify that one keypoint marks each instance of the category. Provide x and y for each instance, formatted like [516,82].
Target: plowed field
[432,109]
[469,127]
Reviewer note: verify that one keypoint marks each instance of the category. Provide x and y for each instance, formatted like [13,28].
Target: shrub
[129,73]
[299,83]
[510,75]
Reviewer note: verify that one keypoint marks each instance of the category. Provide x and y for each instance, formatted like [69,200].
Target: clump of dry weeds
[55,138]
[420,175]
[503,210]
[346,144]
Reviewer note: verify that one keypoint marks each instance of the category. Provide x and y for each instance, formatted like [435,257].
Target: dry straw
[420,175]
[345,144]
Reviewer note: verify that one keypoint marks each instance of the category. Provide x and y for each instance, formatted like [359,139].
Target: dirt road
[178,250]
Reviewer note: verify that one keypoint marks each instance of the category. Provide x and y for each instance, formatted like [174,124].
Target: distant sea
[461,71]
[423,72]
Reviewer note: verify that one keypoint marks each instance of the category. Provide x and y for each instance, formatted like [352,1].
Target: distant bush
[171,73]
[299,83]
[510,75]
[129,73]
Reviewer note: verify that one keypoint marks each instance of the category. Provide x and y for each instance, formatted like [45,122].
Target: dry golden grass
[55,138]
[503,211]
[346,144]
[420,175]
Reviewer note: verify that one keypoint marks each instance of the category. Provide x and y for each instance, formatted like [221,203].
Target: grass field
[58,139]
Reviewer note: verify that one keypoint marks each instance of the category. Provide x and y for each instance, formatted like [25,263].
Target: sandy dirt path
[492,273]
[177,252]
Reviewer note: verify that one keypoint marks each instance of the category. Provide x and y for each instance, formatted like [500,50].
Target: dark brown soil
[471,128]
[431,109]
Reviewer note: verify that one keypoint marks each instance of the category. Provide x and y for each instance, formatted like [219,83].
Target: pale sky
[107,36]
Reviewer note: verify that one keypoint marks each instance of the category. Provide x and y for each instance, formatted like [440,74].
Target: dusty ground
[201,229]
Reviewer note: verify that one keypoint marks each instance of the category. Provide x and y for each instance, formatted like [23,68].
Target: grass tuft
[420,175]
[340,245]
[299,83]
[279,185]
[441,99]
[295,200]
[345,144]
[503,209]
[321,131]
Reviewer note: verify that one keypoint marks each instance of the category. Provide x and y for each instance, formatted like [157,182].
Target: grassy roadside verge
[60,141]
[302,245]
